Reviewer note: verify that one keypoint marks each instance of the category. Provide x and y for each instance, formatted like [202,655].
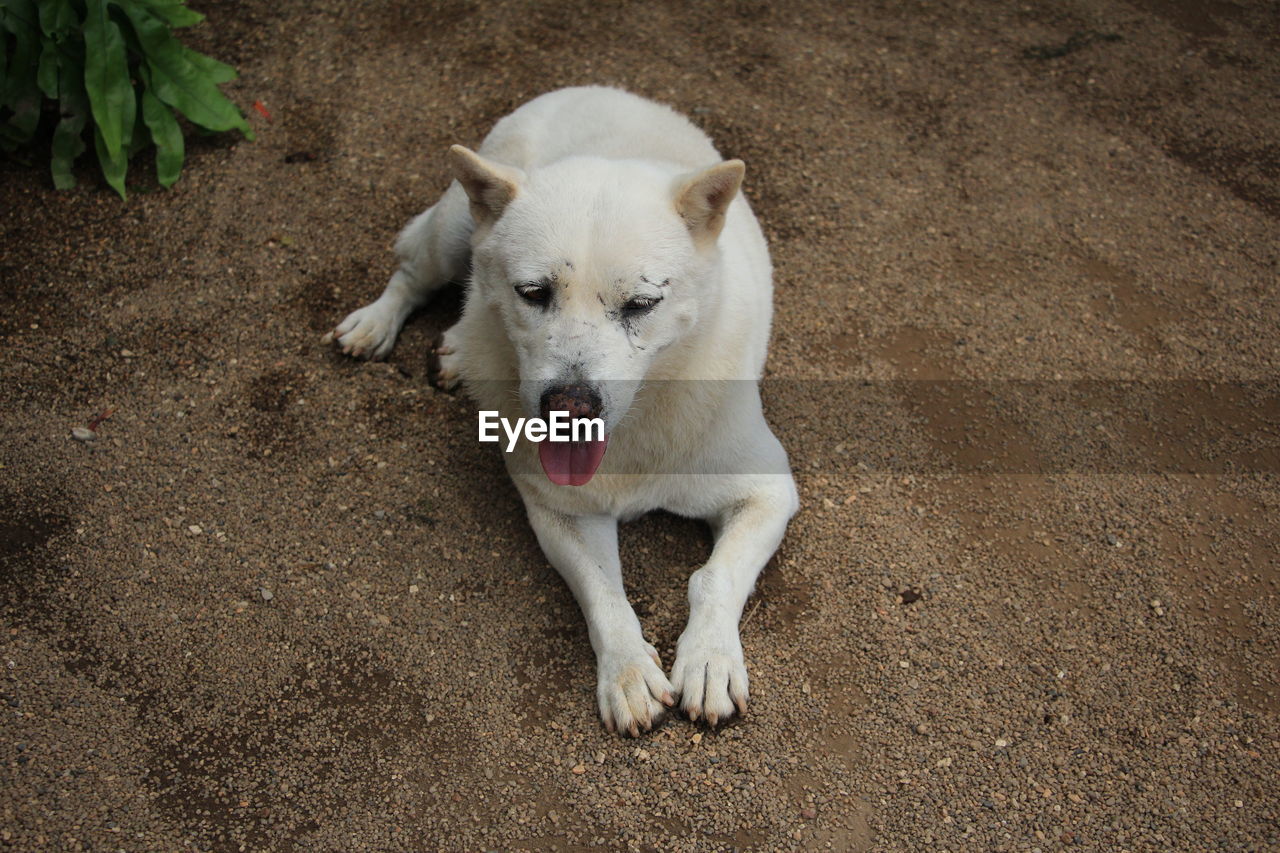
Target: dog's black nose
[580,401]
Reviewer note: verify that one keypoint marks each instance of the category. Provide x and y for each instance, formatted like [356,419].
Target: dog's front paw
[632,690]
[709,673]
[442,364]
[369,332]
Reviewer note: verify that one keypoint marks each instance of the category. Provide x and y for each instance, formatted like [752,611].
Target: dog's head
[596,268]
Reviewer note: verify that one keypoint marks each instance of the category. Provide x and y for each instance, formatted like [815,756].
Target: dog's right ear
[490,186]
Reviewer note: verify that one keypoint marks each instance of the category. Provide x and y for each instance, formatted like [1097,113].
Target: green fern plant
[112,66]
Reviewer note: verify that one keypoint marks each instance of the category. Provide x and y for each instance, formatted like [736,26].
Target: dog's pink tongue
[571,463]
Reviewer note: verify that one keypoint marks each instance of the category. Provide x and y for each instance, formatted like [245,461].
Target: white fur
[586,185]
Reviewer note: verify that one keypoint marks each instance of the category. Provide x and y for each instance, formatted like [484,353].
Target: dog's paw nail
[632,690]
[668,699]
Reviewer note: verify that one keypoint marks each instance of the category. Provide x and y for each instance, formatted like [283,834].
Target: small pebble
[266,594]
[83,434]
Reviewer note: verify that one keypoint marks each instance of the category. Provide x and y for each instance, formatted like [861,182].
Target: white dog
[616,273]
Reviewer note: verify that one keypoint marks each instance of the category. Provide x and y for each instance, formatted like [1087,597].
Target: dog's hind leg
[709,671]
[630,685]
[433,250]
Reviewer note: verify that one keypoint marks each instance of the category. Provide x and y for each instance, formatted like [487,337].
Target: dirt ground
[1024,362]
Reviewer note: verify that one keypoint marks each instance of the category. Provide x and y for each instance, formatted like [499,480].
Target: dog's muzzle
[580,401]
[571,463]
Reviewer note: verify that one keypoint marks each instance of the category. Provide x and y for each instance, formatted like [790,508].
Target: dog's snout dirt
[580,401]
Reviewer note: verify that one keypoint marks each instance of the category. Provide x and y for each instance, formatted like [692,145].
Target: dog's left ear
[703,198]
[490,186]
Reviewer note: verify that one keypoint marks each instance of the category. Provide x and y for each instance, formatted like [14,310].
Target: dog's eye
[534,292]
[640,305]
